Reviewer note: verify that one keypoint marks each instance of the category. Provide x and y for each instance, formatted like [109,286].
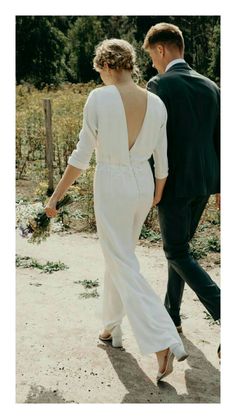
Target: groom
[193,106]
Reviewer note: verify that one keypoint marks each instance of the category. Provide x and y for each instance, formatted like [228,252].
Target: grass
[201,246]
[89,284]
[149,234]
[210,319]
[214,244]
[48,267]
[93,294]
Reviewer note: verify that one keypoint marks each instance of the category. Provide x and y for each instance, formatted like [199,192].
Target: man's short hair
[164,33]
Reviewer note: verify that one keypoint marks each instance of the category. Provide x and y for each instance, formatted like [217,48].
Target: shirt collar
[173,62]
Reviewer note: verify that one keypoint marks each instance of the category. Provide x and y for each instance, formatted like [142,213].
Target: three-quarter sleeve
[160,152]
[81,156]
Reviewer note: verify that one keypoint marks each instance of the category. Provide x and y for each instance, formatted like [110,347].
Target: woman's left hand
[50,208]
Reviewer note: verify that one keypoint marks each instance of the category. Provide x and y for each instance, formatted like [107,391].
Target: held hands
[156,200]
[50,208]
[160,184]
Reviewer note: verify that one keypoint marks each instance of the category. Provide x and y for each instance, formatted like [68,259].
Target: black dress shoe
[179,329]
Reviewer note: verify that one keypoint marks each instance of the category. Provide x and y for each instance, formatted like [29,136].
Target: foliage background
[55,49]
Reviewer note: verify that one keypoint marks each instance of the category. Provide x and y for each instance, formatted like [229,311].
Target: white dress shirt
[173,62]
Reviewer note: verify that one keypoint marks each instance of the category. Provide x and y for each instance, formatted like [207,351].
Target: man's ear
[161,50]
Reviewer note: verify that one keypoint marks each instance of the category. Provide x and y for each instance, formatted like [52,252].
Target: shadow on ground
[39,394]
[202,381]
[140,389]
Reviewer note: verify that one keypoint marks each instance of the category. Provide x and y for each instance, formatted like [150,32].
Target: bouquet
[38,228]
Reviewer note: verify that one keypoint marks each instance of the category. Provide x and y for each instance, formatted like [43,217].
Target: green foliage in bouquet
[38,228]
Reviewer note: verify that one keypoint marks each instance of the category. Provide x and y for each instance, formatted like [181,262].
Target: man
[193,131]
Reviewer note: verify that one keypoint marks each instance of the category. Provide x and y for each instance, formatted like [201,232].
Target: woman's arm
[70,175]
[160,184]
[80,157]
[160,160]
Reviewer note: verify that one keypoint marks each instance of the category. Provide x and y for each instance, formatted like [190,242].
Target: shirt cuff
[79,165]
[161,175]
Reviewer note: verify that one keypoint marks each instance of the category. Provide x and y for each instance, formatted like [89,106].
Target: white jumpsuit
[123,196]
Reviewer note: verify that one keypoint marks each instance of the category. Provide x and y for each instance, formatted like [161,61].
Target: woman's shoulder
[101,92]
[157,106]
[155,99]
[152,97]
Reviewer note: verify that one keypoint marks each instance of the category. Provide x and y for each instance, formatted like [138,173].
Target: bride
[125,124]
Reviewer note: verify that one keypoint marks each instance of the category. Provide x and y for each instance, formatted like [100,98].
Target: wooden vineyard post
[49,143]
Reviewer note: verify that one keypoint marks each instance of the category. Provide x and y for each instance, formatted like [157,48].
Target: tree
[85,34]
[214,64]
[40,49]
[53,49]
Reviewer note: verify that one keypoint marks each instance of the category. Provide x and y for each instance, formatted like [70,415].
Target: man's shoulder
[166,80]
[155,79]
[206,79]
[157,84]
[162,81]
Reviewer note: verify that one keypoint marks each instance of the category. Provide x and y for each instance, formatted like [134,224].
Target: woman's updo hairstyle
[118,54]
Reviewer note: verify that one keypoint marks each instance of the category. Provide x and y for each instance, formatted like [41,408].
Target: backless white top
[105,130]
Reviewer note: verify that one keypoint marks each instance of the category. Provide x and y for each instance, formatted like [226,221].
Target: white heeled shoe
[169,366]
[115,337]
[180,356]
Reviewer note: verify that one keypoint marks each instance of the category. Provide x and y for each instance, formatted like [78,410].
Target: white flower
[24,211]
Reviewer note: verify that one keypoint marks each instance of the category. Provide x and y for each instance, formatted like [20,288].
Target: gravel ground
[61,360]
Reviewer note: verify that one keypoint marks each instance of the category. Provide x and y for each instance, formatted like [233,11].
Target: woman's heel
[116,335]
[168,367]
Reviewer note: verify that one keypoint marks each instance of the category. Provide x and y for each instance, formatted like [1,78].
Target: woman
[126,125]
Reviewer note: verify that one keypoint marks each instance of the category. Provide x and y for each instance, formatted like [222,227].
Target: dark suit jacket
[193,130]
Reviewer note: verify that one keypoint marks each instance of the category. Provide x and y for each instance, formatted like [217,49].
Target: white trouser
[123,197]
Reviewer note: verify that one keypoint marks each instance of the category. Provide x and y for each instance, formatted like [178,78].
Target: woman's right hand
[156,201]
[50,208]
[160,184]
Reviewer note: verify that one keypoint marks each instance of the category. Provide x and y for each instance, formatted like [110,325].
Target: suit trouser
[179,218]
[123,198]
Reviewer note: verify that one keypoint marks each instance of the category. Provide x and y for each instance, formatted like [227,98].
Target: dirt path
[60,359]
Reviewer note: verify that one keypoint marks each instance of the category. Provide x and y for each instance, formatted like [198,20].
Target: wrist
[53,200]
[56,195]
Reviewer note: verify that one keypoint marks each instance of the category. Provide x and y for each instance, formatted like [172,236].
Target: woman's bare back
[134,100]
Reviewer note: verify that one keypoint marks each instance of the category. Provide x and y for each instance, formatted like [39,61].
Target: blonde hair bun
[118,54]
